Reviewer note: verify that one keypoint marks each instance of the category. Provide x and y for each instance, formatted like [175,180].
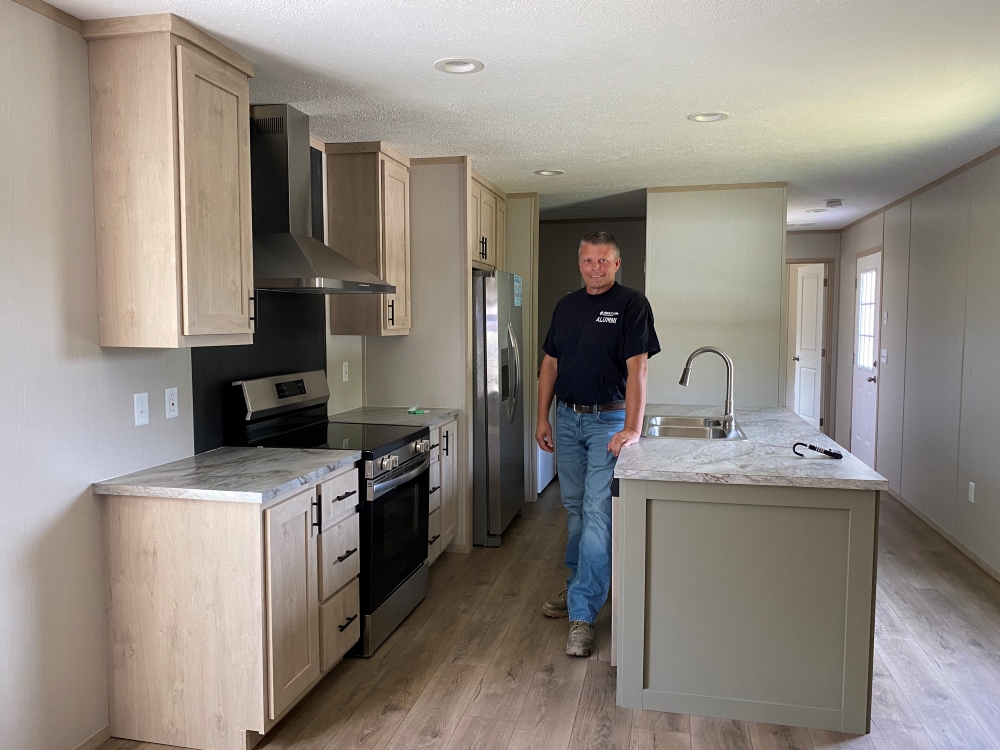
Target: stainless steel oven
[394,539]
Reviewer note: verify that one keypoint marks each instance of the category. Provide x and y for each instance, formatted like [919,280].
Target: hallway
[477,666]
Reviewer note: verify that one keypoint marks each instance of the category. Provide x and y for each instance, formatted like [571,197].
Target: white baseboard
[989,569]
[97,740]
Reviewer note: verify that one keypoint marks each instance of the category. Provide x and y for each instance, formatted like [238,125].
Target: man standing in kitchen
[599,341]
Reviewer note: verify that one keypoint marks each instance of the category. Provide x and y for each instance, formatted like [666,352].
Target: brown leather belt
[585,409]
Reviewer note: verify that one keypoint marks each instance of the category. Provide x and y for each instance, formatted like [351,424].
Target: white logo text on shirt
[607,317]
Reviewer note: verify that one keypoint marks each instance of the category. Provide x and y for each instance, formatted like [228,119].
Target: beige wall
[822,246]
[937,392]
[715,276]
[340,349]
[66,404]
[559,273]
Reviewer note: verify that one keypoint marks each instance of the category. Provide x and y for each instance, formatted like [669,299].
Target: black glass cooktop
[368,438]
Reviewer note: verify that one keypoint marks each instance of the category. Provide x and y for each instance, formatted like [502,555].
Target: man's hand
[543,435]
[619,440]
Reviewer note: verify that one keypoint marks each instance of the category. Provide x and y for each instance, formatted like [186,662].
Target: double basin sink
[691,428]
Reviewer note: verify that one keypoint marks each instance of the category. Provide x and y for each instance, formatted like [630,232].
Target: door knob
[871,379]
[795,359]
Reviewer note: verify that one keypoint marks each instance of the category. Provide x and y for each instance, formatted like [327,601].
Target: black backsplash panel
[290,337]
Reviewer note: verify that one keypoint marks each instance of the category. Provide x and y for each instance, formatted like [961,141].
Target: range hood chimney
[286,257]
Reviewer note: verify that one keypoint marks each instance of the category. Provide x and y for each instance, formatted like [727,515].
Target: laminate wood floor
[477,667]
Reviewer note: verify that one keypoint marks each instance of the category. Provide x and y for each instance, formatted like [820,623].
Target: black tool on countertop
[824,451]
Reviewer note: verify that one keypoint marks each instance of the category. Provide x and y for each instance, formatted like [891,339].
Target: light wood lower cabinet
[292,605]
[340,618]
[449,483]
[433,536]
[339,555]
[223,616]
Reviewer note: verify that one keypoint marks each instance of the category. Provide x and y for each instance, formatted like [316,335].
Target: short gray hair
[601,238]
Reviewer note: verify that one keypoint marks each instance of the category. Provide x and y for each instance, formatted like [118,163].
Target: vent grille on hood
[285,257]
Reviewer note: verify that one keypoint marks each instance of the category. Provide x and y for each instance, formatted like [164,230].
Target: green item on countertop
[415,410]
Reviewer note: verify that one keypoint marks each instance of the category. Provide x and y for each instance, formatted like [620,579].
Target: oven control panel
[388,462]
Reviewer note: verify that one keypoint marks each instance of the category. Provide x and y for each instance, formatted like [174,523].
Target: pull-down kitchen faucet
[729,420]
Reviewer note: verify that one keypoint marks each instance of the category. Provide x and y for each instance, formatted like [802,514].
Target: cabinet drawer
[339,556]
[435,438]
[339,497]
[340,624]
[434,482]
[434,536]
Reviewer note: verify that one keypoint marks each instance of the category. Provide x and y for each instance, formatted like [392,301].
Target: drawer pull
[350,619]
[434,489]
[431,541]
[346,495]
[347,554]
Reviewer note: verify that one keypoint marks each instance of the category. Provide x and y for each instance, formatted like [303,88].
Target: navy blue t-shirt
[592,335]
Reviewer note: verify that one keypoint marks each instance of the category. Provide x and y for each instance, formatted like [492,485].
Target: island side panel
[758,603]
[185,620]
[631,592]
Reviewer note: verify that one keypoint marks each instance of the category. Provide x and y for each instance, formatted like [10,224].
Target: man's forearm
[635,398]
[546,388]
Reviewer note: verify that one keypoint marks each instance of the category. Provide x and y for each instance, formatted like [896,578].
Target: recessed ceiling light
[809,224]
[549,172]
[708,116]
[458,65]
[815,210]
[579,208]
[834,203]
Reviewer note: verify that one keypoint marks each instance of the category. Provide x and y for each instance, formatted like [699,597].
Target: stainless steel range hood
[286,257]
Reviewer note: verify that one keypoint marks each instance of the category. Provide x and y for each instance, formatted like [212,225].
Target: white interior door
[808,358]
[867,311]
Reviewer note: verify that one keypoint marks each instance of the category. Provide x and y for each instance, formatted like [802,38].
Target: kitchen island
[744,575]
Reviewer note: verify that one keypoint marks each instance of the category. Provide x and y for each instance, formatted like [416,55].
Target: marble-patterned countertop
[396,415]
[765,458]
[244,475]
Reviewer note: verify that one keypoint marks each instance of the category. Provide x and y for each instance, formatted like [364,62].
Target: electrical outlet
[140,407]
[170,399]
[972,492]
[345,372]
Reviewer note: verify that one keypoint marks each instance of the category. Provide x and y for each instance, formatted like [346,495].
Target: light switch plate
[345,372]
[972,492]
[140,408]
[884,356]
[170,402]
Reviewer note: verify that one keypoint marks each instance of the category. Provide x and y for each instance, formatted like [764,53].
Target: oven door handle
[390,484]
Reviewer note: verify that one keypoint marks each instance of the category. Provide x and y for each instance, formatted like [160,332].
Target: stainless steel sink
[690,428]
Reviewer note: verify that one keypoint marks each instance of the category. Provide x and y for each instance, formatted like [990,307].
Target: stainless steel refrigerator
[498,419]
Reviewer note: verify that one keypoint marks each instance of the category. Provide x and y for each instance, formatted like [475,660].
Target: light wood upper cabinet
[487,218]
[367,198]
[171,148]
[292,605]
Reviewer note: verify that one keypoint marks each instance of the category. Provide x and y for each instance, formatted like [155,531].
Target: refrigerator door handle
[515,387]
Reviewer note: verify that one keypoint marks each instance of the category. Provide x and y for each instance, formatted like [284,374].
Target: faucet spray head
[685,376]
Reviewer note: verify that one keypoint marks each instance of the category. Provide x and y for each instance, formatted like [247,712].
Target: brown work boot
[556,607]
[581,639]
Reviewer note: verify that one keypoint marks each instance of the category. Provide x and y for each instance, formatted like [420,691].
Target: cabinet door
[395,231]
[292,601]
[500,256]
[488,225]
[476,251]
[213,121]
[449,483]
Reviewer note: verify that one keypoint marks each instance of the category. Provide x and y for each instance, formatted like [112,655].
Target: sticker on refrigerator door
[517,291]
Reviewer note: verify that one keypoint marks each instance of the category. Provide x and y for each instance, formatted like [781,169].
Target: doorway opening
[807,377]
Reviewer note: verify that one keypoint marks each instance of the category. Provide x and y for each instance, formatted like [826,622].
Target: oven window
[398,538]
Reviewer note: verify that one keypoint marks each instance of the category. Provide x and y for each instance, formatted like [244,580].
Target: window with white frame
[866,319]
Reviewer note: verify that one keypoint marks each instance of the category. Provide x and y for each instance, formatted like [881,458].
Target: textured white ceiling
[851,99]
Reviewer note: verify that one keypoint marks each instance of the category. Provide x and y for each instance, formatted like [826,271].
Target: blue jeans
[586,468]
